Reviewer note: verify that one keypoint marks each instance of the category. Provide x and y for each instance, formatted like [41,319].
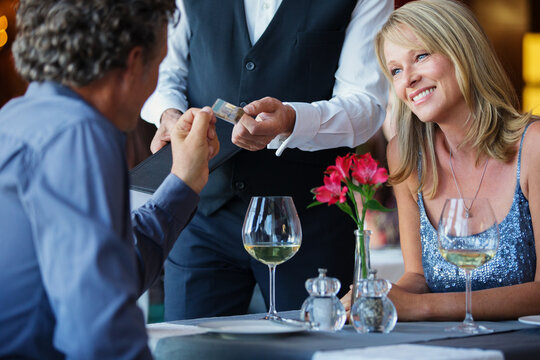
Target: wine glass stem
[468,299]
[272,313]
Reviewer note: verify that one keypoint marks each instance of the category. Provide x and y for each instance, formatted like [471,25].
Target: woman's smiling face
[425,81]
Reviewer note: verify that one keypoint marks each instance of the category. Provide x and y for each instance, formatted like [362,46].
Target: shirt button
[250,65]
[239,185]
[243,103]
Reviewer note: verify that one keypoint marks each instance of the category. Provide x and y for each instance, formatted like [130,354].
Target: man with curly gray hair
[72,260]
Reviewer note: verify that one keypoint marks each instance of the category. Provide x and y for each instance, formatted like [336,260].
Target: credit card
[227,111]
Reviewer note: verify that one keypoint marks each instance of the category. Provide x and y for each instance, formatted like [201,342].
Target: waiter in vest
[316,56]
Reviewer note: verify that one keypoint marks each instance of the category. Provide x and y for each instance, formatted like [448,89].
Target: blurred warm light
[531,99]
[531,56]
[3,33]
[531,72]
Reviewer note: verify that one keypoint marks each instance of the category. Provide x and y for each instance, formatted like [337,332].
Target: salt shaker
[322,308]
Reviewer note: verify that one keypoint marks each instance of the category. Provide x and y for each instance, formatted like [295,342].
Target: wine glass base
[468,328]
[271,317]
[306,324]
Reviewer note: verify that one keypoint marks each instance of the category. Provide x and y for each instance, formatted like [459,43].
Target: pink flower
[342,167]
[332,191]
[361,175]
[366,170]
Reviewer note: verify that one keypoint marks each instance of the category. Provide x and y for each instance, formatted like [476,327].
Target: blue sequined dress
[514,263]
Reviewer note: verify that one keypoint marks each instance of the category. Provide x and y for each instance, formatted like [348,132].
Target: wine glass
[468,237]
[272,234]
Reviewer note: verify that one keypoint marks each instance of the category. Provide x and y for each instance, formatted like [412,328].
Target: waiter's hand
[194,142]
[264,120]
[163,133]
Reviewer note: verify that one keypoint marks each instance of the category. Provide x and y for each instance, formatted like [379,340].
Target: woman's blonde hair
[449,28]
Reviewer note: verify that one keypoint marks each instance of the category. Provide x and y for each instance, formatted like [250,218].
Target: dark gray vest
[294,60]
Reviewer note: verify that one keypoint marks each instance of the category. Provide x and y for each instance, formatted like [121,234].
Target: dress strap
[520,147]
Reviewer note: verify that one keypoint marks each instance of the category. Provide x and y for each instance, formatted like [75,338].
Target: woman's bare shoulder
[531,141]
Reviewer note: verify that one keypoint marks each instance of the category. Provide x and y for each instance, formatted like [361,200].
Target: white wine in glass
[272,234]
[271,254]
[467,260]
[468,237]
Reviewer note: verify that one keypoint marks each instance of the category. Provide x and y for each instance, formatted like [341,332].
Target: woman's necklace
[467,208]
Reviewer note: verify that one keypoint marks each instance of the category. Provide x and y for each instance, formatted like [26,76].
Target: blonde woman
[458,135]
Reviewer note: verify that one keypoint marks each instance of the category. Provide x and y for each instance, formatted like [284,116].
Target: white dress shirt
[353,114]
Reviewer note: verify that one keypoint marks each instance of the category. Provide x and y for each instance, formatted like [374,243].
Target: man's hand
[194,142]
[264,120]
[163,133]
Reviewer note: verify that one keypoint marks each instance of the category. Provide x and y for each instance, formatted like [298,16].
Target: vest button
[243,103]
[250,65]
[239,185]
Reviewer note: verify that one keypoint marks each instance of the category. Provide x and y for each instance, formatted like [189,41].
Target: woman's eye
[422,56]
[394,72]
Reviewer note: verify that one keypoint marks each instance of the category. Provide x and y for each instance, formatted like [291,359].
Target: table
[514,339]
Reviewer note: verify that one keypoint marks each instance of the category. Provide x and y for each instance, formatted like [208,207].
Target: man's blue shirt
[73,259]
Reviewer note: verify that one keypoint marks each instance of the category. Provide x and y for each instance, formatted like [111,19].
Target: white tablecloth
[409,352]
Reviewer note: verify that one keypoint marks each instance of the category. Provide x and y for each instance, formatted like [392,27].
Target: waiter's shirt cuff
[306,127]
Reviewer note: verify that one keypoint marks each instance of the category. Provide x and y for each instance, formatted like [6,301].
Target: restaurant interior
[514,29]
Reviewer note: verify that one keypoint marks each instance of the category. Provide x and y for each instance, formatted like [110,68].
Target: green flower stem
[365,195]
[359,223]
[362,247]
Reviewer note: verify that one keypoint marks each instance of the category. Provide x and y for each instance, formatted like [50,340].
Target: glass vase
[373,311]
[362,263]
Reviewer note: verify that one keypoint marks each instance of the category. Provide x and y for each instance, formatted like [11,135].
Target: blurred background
[513,27]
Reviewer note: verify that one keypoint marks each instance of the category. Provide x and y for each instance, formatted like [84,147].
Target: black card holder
[150,173]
